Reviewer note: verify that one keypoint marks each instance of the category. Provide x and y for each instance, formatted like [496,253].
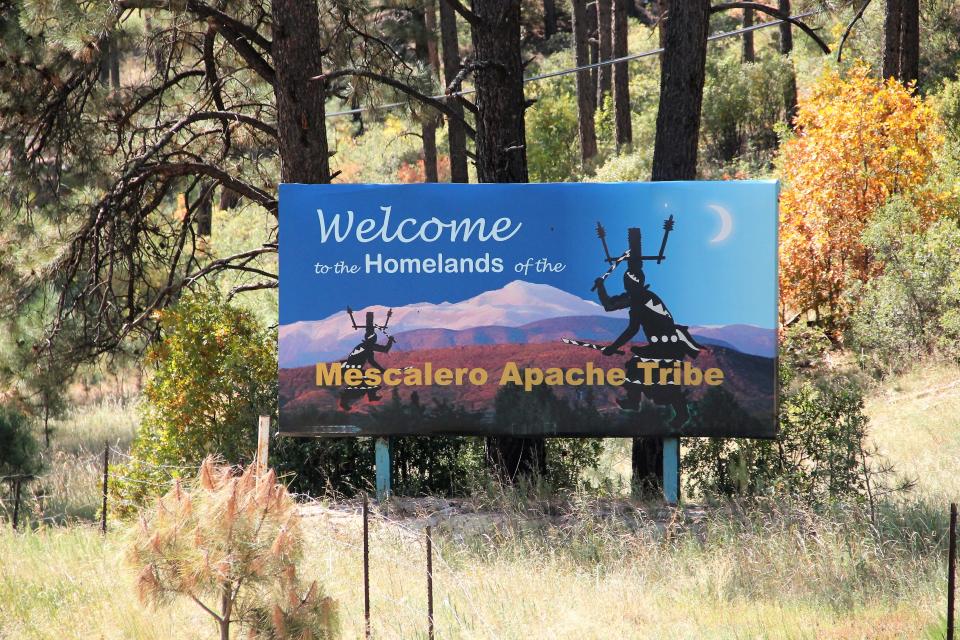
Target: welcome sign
[621,309]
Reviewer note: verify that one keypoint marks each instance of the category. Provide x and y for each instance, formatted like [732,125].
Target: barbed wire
[592,65]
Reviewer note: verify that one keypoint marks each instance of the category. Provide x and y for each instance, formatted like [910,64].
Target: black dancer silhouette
[362,357]
[667,341]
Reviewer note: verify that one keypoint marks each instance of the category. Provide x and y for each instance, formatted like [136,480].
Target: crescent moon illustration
[726,223]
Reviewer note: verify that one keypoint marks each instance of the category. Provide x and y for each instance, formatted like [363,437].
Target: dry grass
[915,421]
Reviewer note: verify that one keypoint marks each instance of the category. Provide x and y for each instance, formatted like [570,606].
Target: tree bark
[605,38]
[682,74]
[593,37]
[549,18]
[786,29]
[893,20]
[456,136]
[621,75]
[426,49]
[786,46]
[909,41]
[301,126]
[585,88]
[498,78]
[502,157]
[749,53]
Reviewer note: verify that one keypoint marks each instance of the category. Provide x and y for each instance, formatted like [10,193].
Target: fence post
[16,501]
[952,572]
[106,481]
[366,569]
[263,444]
[429,584]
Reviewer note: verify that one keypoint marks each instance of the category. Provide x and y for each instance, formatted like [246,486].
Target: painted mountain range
[519,313]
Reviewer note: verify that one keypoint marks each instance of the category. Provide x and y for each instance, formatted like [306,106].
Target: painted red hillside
[748,378]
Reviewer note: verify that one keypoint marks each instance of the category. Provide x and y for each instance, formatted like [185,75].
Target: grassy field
[589,572]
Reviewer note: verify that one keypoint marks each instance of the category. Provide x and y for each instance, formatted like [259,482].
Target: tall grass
[70,486]
[592,569]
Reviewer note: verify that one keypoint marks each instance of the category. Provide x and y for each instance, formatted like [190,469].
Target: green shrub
[912,308]
[820,452]
[215,372]
[19,450]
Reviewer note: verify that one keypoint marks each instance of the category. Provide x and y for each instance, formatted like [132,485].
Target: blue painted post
[383,461]
[671,470]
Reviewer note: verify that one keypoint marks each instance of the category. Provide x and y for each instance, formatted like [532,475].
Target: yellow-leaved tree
[859,140]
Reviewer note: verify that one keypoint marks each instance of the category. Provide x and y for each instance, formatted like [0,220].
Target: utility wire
[593,65]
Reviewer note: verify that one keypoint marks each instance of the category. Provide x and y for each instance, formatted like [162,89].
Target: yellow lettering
[616,376]
[713,376]
[648,368]
[329,375]
[353,377]
[511,373]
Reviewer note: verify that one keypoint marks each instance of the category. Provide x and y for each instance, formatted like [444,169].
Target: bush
[912,308]
[234,541]
[215,372]
[820,452]
[19,450]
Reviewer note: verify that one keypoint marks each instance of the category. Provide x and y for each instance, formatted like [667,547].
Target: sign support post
[671,470]
[383,459]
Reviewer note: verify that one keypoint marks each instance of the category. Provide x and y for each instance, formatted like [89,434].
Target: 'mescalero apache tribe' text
[334,374]
[342,226]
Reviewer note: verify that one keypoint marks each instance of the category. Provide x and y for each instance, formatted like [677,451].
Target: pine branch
[403,88]
[762,8]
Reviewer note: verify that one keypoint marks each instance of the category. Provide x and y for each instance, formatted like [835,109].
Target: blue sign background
[718,279]
[726,282]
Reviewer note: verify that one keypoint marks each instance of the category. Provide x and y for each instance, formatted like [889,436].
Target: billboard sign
[620,309]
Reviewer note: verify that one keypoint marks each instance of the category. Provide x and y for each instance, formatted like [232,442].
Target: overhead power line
[593,65]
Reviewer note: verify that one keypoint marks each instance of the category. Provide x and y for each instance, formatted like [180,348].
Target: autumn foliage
[230,542]
[859,140]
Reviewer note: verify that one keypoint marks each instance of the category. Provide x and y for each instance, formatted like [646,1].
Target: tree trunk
[786,46]
[749,52]
[786,29]
[621,75]
[892,22]
[605,38]
[585,88]
[909,41]
[682,74]
[593,38]
[426,48]
[549,18]
[304,154]
[501,139]
[456,136]
[502,157]
[204,215]
[647,463]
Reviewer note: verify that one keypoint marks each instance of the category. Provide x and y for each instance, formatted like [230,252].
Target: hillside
[749,378]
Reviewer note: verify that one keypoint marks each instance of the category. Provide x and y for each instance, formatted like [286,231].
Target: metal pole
[382,459]
[106,480]
[671,470]
[366,569]
[952,572]
[429,584]
[16,501]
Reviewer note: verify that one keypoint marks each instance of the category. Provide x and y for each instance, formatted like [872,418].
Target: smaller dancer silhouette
[362,357]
